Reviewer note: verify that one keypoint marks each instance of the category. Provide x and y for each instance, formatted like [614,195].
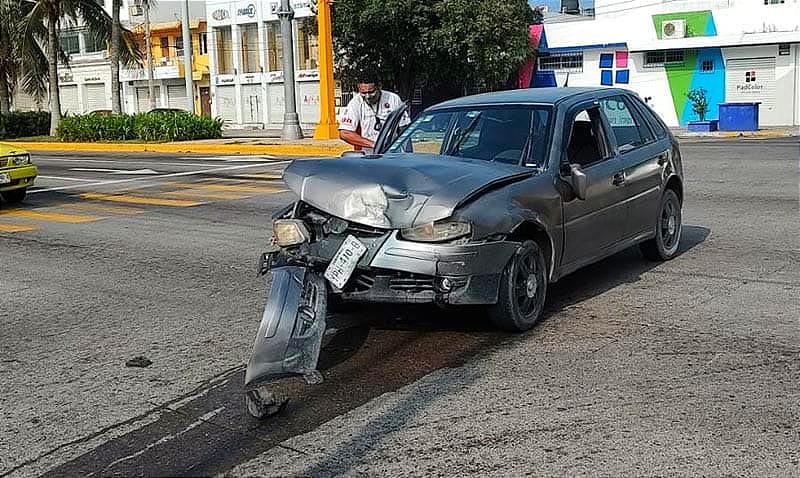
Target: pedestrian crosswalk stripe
[84,206]
[47,216]
[262,176]
[125,198]
[9,227]
[205,195]
[240,188]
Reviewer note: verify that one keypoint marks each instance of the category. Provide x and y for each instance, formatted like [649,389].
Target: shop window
[70,43]
[308,48]
[274,47]
[663,57]
[224,45]
[707,66]
[570,61]
[250,50]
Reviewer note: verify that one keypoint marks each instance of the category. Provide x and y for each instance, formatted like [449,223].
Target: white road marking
[150,178]
[234,159]
[60,178]
[116,171]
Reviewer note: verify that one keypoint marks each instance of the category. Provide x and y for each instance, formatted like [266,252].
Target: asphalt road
[639,369]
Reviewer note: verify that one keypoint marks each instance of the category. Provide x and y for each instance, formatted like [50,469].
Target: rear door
[642,155]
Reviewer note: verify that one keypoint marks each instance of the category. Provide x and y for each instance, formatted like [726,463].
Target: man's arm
[355,139]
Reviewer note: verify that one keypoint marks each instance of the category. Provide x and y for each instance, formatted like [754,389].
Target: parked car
[17,173]
[484,200]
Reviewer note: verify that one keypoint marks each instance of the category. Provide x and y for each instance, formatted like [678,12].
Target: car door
[594,225]
[642,155]
[390,130]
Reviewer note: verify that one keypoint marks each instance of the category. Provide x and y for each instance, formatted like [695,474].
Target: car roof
[548,96]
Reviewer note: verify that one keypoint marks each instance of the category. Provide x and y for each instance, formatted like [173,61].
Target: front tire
[523,288]
[15,195]
[669,225]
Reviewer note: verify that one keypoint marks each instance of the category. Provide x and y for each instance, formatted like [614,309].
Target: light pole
[187,56]
[328,127]
[291,122]
[147,40]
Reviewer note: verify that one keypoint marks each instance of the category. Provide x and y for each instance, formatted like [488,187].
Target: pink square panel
[622,59]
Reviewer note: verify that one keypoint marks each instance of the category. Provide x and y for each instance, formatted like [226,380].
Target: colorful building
[738,51]
[169,69]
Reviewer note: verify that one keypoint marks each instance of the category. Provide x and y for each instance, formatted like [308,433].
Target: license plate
[344,262]
[5,178]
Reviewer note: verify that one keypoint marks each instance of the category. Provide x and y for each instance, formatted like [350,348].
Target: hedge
[24,124]
[148,127]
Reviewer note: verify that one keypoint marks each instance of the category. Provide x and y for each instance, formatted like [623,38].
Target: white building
[246,63]
[738,50]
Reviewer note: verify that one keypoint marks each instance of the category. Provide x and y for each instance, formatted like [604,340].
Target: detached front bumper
[397,271]
[21,177]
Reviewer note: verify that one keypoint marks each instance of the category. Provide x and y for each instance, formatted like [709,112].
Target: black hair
[367,77]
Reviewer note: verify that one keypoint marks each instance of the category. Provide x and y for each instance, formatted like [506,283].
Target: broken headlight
[21,159]
[290,232]
[437,231]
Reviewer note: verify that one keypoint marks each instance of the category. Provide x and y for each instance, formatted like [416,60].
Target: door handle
[663,158]
[619,179]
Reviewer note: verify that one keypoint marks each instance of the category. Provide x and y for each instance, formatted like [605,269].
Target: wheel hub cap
[671,225]
[530,286]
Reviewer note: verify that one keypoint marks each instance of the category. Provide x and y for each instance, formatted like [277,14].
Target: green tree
[446,46]
[19,51]
[41,24]
[116,33]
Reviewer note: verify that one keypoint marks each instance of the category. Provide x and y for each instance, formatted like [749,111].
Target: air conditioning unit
[673,29]
[135,10]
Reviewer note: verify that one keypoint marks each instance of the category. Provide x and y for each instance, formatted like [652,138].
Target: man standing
[366,113]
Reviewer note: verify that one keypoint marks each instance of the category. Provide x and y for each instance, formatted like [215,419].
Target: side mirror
[353,154]
[578,181]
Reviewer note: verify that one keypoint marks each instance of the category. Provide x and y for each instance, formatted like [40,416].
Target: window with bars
[179,47]
[663,57]
[571,61]
[70,43]
[707,66]
[93,42]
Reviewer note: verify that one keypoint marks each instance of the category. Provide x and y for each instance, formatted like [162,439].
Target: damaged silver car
[481,200]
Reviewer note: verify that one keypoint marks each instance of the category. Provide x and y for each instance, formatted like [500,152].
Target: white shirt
[360,114]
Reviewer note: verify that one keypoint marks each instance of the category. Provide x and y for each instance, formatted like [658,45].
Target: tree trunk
[116,103]
[52,63]
[5,94]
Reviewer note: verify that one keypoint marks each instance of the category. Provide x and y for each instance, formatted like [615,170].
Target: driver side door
[594,225]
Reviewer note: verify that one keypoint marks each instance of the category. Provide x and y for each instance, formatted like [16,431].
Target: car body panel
[22,176]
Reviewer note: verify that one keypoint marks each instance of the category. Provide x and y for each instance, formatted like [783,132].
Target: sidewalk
[261,143]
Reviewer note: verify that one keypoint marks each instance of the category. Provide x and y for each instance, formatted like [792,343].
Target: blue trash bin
[738,116]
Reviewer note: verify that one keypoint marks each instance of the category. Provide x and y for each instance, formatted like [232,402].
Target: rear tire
[15,195]
[664,246]
[523,289]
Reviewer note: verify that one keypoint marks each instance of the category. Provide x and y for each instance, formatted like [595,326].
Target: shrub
[699,102]
[146,127]
[22,124]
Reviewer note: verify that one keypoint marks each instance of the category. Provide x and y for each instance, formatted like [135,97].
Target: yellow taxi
[16,173]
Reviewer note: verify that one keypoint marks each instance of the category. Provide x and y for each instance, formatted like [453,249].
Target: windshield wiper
[453,151]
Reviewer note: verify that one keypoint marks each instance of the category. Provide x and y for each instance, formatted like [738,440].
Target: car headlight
[290,232]
[20,159]
[437,231]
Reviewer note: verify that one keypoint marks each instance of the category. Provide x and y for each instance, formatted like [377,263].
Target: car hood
[10,150]
[396,190]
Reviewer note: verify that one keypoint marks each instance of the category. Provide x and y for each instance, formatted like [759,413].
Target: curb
[739,134]
[192,148]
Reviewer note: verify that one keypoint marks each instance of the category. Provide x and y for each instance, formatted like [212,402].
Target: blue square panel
[623,76]
[606,78]
[606,60]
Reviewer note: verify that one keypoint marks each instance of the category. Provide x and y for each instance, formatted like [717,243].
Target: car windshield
[504,134]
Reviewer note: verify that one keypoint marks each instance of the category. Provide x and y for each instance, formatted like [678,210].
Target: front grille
[361,282]
[411,283]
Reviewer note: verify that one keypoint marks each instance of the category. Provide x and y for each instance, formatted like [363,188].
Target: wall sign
[248,11]
[220,14]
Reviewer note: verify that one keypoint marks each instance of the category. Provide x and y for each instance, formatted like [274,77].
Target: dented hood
[396,190]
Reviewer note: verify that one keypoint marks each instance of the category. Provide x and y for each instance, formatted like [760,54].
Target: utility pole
[291,122]
[147,40]
[328,127]
[187,56]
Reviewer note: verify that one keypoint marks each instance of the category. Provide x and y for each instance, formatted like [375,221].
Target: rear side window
[652,118]
[629,127]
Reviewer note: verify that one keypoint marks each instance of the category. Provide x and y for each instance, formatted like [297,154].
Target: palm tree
[18,52]
[41,23]
[116,103]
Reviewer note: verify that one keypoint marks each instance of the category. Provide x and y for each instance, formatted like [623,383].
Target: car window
[651,116]
[502,134]
[627,128]
[586,145]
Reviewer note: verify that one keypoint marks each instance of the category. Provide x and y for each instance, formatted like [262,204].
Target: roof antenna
[566,80]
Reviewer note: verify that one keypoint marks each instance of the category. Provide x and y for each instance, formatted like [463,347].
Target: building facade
[169,70]
[246,63]
[737,50]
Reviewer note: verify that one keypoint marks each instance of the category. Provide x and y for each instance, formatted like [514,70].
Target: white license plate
[5,178]
[344,262]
